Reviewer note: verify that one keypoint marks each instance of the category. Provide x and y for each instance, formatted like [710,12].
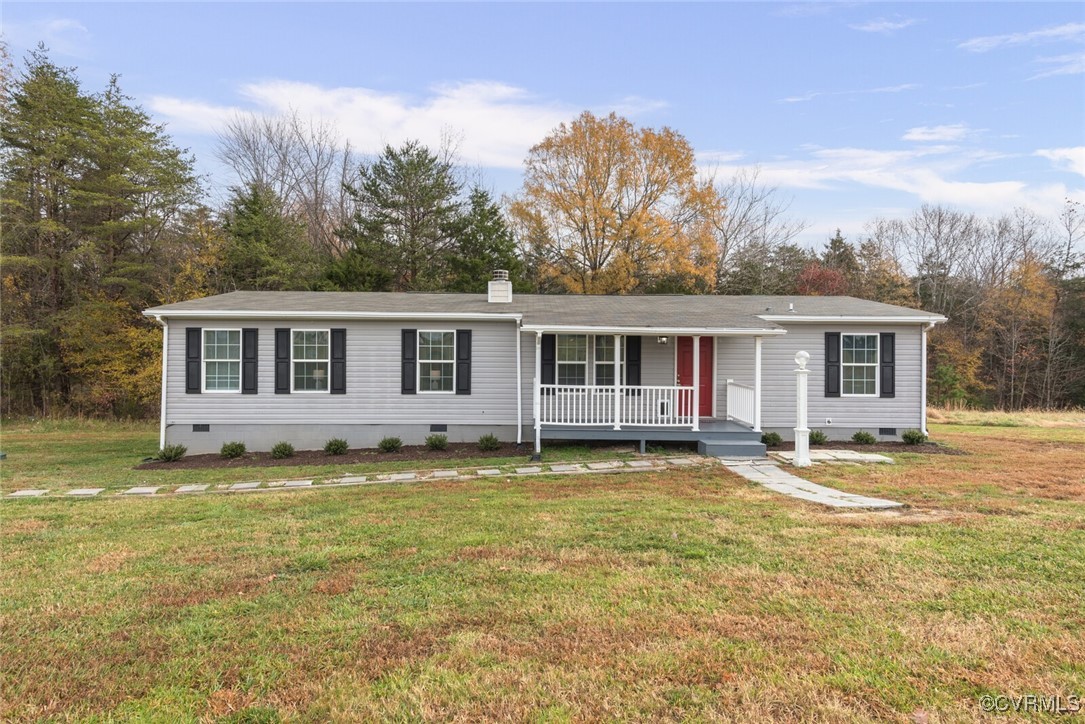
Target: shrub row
[335,446]
[862,437]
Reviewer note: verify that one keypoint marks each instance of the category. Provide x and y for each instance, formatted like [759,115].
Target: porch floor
[720,438]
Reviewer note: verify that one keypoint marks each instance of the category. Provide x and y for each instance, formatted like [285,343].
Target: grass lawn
[686,594]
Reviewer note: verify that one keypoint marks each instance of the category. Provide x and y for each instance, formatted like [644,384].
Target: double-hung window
[859,364]
[572,359]
[222,360]
[310,360]
[436,361]
[604,361]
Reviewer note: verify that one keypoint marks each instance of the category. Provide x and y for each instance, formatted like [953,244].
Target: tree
[766,269]
[839,256]
[264,249]
[484,242]
[621,209]
[819,280]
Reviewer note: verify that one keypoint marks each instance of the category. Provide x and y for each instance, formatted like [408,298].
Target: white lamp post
[802,432]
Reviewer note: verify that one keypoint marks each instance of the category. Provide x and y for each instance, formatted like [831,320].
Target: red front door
[685,371]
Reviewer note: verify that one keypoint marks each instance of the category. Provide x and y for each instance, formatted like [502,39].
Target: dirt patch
[926,448]
[420,453]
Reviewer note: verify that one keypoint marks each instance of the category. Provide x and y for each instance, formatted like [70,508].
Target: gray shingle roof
[650,311]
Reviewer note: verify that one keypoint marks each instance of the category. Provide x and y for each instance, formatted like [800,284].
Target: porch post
[617,382]
[802,432]
[757,384]
[536,405]
[696,383]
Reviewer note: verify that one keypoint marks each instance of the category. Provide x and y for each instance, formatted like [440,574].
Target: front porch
[720,438]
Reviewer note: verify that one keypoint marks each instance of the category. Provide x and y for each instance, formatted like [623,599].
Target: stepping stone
[27,493]
[277,484]
[297,483]
[192,488]
[141,490]
[85,492]
[244,486]
[489,471]
[400,477]
[529,471]
[574,468]
[353,479]
[609,465]
[641,464]
[680,461]
[445,474]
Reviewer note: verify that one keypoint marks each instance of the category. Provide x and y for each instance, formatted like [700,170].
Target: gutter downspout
[519,388]
[923,378]
[165,348]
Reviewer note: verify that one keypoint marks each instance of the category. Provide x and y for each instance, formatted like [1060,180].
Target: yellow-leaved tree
[607,208]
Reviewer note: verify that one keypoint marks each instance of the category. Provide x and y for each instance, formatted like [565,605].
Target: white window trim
[418,361]
[204,360]
[328,360]
[589,354]
[877,365]
[595,363]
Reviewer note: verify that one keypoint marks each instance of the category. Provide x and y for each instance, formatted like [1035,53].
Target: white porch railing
[655,406]
[741,403]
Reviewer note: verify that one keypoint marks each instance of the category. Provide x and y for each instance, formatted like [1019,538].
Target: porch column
[536,404]
[757,384]
[696,383]
[617,382]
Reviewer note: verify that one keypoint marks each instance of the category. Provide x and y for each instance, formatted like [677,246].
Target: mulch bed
[928,448]
[419,453]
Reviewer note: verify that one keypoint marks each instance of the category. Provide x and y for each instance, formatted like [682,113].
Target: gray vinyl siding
[735,360]
[372,375]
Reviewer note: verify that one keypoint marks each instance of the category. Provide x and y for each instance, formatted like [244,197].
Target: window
[859,364]
[310,360]
[222,360]
[572,359]
[604,360]
[436,361]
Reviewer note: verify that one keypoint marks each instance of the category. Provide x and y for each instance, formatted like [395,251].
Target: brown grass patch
[224,702]
[336,585]
[112,561]
[23,526]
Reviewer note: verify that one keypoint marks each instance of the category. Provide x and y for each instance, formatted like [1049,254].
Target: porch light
[661,340]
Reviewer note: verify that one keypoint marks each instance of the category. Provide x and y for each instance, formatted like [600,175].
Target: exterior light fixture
[661,340]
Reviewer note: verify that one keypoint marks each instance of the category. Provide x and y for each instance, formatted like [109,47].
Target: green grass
[688,594]
[61,455]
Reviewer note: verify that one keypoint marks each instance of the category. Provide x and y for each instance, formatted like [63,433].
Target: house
[305,367]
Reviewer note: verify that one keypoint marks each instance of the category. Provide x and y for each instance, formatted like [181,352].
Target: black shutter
[632,360]
[282,361]
[888,358]
[339,362]
[249,343]
[409,358]
[832,364]
[548,367]
[193,354]
[463,361]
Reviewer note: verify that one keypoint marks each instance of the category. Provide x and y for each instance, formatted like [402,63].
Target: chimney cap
[501,275]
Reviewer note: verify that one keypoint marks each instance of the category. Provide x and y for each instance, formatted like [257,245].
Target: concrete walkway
[775,478]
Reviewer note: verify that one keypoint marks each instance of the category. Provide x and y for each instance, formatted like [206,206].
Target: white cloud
[952,132]
[883,89]
[1070,159]
[63,36]
[1067,31]
[881,25]
[1069,64]
[497,123]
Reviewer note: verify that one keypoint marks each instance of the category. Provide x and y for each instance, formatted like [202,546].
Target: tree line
[104,216]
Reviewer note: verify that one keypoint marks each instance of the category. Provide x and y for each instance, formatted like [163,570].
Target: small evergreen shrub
[863,438]
[437,442]
[390,444]
[817,437]
[336,446]
[282,450]
[771,439]
[913,437]
[232,449]
[489,443]
[171,453]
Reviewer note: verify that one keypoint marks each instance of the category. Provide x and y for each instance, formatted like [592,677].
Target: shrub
[232,449]
[171,453]
[282,450]
[336,446]
[489,443]
[863,438]
[390,444]
[817,437]
[771,439]
[913,437]
[437,442]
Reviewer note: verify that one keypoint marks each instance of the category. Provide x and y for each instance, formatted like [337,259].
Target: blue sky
[853,110]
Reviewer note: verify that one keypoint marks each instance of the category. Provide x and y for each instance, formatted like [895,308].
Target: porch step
[732,448]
